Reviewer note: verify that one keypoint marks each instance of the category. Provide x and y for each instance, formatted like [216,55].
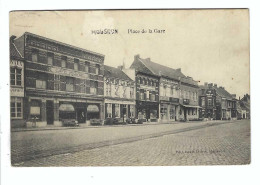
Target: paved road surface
[227,143]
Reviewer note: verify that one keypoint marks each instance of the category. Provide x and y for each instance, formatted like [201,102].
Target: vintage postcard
[130,87]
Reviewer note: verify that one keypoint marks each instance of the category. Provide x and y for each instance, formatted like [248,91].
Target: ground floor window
[109,110]
[35,109]
[132,111]
[164,112]
[117,110]
[172,112]
[153,114]
[142,114]
[16,107]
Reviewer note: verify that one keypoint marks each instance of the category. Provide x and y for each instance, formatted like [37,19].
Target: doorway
[49,112]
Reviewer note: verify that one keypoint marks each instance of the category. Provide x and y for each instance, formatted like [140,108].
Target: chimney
[179,69]
[137,56]
[234,96]
[215,85]
[12,38]
[120,67]
[239,98]
[148,59]
[205,83]
[210,84]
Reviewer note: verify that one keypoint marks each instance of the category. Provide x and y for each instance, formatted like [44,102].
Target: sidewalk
[84,126]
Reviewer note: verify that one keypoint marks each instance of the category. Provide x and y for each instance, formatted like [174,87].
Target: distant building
[221,105]
[119,96]
[164,92]
[61,81]
[207,101]
[16,85]
[245,106]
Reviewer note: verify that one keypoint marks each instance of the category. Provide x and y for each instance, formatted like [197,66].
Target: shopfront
[147,111]
[168,109]
[119,109]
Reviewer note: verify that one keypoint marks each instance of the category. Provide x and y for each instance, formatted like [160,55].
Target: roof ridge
[147,66]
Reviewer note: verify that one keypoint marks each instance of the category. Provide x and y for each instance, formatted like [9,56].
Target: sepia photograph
[129,88]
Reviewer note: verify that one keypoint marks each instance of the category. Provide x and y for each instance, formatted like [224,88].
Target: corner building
[61,81]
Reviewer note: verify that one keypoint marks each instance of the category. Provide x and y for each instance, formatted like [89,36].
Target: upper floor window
[64,61]
[172,91]
[50,57]
[35,54]
[93,87]
[69,84]
[147,95]
[40,84]
[210,102]
[87,67]
[124,92]
[203,101]
[131,92]
[141,81]
[16,76]
[117,90]
[152,97]
[76,64]
[97,69]
[141,96]
[108,89]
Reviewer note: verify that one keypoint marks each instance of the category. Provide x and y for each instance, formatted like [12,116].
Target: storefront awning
[92,108]
[66,108]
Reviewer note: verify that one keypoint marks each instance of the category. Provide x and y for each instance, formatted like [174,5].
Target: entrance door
[185,114]
[49,112]
[81,115]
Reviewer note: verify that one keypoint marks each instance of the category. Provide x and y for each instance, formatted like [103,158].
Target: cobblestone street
[223,144]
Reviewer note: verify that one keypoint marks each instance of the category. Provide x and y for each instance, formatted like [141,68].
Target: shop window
[109,110]
[153,113]
[132,111]
[172,112]
[35,54]
[64,61]
[69,84]
[16,76]
[87,67]
[76,64]
[16,107]
[163,112]
[117,110]
[35,109]
[50,57]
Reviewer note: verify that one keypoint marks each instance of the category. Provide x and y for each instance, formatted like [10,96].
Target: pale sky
[208,45]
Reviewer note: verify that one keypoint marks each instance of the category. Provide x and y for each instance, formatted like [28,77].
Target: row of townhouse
[52,81]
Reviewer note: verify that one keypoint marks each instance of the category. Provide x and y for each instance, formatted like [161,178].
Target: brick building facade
[61,81]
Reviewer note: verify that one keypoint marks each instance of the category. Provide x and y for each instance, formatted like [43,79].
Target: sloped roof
[14,53]
[244,105]
[113,72]
[160,70]
[222,92]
